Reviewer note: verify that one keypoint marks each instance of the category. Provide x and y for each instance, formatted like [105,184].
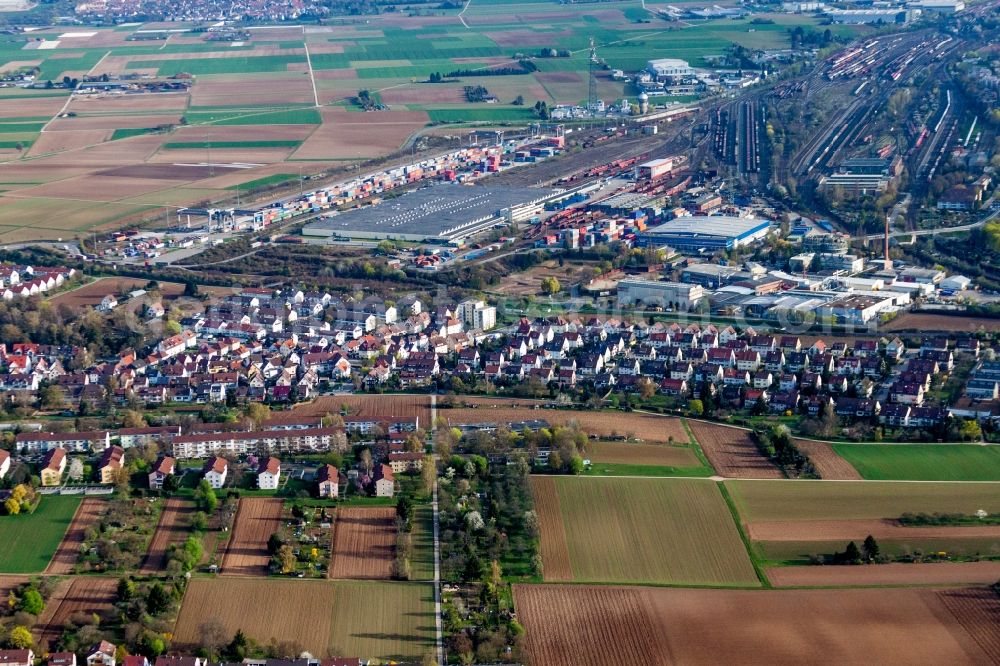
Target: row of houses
[27,281]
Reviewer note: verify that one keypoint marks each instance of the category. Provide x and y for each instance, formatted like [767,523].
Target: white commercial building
[675,295]
[672,68]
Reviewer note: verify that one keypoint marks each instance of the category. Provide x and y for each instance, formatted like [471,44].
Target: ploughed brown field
[554,549]
[592,626]
[68,553]
[257,518]
[85,595]
[923,321]
[846,530]
[172,528]
[628,453]
[364,543]
[732,453]
[895,573]
[91,294]
[647,427]
[826,461]
[374,406]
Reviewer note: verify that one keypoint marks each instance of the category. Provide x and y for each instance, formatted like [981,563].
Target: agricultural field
[612,425]
[84,594]
[923,462]
[368,406]
[732,453]
[364,543]
[827,463]
[328,618]
[590,626]
[895,573]
[173,528]
[256,520]
[62,150]
[789,521]
[922,321]
[674,531]
[630,459]
[87,513]
[30,540]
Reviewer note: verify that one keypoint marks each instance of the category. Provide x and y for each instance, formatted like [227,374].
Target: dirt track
[68,553]
[364,543]
[256,520]
[846,530]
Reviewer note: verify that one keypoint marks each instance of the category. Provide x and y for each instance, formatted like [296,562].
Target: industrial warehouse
[445,214]
[702,233]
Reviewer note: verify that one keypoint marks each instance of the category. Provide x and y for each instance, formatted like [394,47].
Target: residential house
[62,659]
[111,461]
[17,658]
[269,474]
[329,480]
[385,482]
[102,654]
[406,462]
[215,471]
[163,468]
[53,466]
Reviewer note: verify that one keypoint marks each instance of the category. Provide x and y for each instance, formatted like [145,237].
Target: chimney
[888,261]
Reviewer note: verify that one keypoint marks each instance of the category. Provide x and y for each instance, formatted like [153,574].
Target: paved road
[933,232]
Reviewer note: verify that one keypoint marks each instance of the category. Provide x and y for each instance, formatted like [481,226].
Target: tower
[592,80]
[888,261]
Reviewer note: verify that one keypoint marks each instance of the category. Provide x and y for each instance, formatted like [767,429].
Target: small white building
[269,474]
[669,68]
[216,470]
[102,654]
[4,463]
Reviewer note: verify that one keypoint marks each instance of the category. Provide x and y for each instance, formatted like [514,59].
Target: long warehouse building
[438,214]
[703,233]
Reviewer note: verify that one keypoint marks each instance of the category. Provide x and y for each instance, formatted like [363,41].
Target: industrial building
[656,168]
[669,68]
[675,295]
[438,214]
[890,16]
[705,233]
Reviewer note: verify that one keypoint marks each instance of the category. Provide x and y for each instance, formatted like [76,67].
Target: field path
[312,75]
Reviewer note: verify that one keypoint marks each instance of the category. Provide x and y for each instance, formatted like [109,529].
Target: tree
[126,590]
[647,388]
[550,285]
[428,474]
[32,602]
[157,600]
[286,557]
[12,507]
[213,636]
[696,407]
[20,638]
[258,412]
[238,647]
[870,549]
[519,100]
[205,497]
[851,554]
[970,430]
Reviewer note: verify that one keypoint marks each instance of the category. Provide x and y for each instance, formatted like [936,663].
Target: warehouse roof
[710,225]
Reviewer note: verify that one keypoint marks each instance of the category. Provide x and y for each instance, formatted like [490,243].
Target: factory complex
[443,213]
[704,233]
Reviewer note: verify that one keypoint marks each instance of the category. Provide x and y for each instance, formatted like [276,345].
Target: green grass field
[923,462]
[422,536]
[131,131]
[861,500]
[669,531]
[266,181]
[28,541]
[628,469]
[778,552]
[245,117]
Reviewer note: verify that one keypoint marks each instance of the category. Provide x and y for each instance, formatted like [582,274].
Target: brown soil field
[529,282]
[518,38]
[53,142]
[554,549]
[10,583]
[642,454]
[646,427]
[923,321]
[360,134]
[592,626]
[256,520]
[364,543]
[130,104]
[335,74]
[31,108]
[91,294]
[559,77]
[304,616]
[429,94]
[96,188]
[221,157]
[123,121]
[732,453]
[846,530]
[288,89]
[377,406]
[68,553]
[86,595]
[172,528]
[896,573]
[173,172]
[827,462]
[222,133]
[978,611]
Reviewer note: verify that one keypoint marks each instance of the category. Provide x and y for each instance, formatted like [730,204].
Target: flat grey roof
[435,212]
